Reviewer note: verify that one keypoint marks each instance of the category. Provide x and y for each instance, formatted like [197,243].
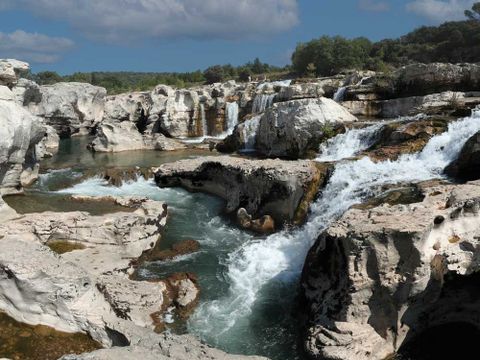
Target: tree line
[118,82]
[454,42]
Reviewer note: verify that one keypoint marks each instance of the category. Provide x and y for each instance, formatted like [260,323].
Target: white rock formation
[71,108]
[379,277]
[10,71]
[292,128]
[20,131]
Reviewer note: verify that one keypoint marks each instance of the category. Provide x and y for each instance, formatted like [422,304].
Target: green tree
[47,78]
[474,14]
[214,74]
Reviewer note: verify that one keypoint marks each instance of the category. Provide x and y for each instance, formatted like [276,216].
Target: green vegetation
[454,42]
[118,82]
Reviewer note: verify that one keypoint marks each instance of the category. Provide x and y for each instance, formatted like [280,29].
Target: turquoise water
[267,326]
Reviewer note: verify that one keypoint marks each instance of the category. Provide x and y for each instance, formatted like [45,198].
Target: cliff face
[379,277]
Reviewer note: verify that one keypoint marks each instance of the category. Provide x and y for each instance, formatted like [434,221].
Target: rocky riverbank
[393,255]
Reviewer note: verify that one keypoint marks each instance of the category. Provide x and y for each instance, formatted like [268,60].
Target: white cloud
[440,10]
[373,5]
[130,20]
[33,47]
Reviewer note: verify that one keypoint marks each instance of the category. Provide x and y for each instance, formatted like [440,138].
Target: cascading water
[349,144]
[277,261]
[232,116]
[203,118]
[339,94]
[250,128]
[262,102]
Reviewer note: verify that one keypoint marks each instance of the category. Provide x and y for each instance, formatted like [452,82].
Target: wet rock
[184,292]
[184,247]
[409,137]
[467,166]
[263,187]
[379,277]
[293,128]
[264,225]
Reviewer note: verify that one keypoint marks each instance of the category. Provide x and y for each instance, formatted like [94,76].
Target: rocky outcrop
[446,103]
[281,189]
[160,347]
[71,108]
[467,166]
[94,256]
[11,70]
[20,132]
[293,128]
[405,137]
[124,136]
[379,277]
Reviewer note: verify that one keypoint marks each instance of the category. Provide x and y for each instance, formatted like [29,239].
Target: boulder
[378,277]
[278,188]
[467,166]
[184,247]
[127,107]
[124,136]
[293,128]
[11,70]
[71,108]
[264,225]
[20,132]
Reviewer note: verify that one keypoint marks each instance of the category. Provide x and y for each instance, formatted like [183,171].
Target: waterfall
[231,109]
[349,144]
[279,258]
[203,117]
[250,128]
[339,94]
[262,102]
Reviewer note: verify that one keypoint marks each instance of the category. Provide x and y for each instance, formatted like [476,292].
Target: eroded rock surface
[278,188]
[378,277]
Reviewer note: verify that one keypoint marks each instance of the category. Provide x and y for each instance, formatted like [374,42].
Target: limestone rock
[263,187]
[264,225]
[71,108]
[124,136]
[292,128]
[467,166]
[20,132]
[11,70]
[378,277]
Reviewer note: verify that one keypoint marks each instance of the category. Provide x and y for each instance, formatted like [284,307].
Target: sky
[186,35]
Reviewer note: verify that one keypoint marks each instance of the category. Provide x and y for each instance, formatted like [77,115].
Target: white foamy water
[280,257]
[262,102]
[339,94]
[203,118]
[232,116]
[250,128]
[349,144]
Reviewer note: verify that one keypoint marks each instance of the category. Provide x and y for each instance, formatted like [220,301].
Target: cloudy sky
[184,35]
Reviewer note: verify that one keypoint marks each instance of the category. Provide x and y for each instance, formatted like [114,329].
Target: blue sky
[184,35]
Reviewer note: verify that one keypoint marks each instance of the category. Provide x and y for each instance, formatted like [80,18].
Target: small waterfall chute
[262,102]
[250,129]
[231,115]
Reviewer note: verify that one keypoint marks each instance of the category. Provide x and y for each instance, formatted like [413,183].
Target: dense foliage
[450,42]
[118,82]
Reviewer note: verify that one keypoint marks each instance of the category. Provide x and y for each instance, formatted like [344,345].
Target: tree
[474,14]
[48,78]
[214,74]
